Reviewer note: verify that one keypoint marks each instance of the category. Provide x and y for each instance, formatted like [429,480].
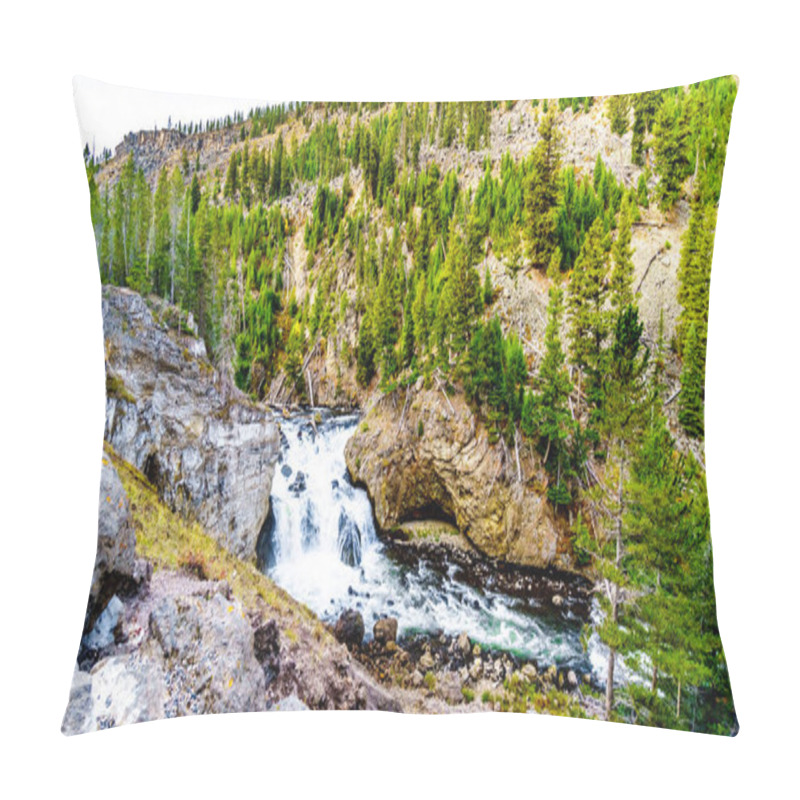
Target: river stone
[298,485]
[558,600]
[463,645]
[529,672]
[209,451]
[349,628]
[426,661]
[572,679]
[476,670]
[385,630]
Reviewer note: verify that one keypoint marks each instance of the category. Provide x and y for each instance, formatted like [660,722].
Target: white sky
[107,112]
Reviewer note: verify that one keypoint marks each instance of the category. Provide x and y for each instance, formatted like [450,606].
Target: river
[320,544]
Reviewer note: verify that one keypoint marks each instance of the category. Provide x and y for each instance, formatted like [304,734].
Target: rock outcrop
[429,457]
[207,449]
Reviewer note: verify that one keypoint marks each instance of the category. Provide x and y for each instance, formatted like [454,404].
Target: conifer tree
[621,283]
[671,162]
[590,321]
[642,196]
[293,365]
[692,379]
[407,342]
[162,235]
[541,192]
[619,106]
[365,355]
[461,295]
[548,416]
[645,107]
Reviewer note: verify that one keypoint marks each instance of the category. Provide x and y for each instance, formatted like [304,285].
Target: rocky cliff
[426,455]
[209,451]
[199,631]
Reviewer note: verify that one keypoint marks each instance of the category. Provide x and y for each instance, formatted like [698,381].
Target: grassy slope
[172,543]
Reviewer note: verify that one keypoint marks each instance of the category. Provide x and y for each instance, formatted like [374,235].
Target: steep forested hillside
[550,260]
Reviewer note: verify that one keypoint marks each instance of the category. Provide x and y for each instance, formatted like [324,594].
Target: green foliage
[618,107]
[692,383]
[541,192]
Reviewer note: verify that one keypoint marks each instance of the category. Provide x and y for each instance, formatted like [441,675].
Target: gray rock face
[115,568]
[116,541]
[197,656]
[208,450]
[210,661]
[120,690]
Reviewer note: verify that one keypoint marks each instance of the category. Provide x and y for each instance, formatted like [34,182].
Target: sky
[107,112]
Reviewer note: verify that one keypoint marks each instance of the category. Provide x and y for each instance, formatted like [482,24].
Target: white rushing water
[324,551]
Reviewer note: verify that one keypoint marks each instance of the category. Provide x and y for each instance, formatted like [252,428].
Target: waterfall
[320,544]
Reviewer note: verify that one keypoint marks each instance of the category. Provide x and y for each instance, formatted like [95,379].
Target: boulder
[476,670]
[426,661]
[572,679]
[298,485]
[463,645]
[349,628]
[209,653]
[209,451]
[385,630]
[119,690]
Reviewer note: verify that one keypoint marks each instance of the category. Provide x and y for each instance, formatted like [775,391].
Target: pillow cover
[404,408]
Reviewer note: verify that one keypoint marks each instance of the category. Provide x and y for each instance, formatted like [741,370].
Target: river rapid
[320,544]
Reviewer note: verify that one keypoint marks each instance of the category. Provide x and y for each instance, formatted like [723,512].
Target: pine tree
[162,235]
[694,274]
[407,342]
[541,192]
[365,355]
[590,321]
[462,294]
[619,106]
[642,196]
[293,365]
[672,164]
[690,401]
[645,107]
[548,416]
[621,283]
[488,289]
[195,194]
[672,622]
